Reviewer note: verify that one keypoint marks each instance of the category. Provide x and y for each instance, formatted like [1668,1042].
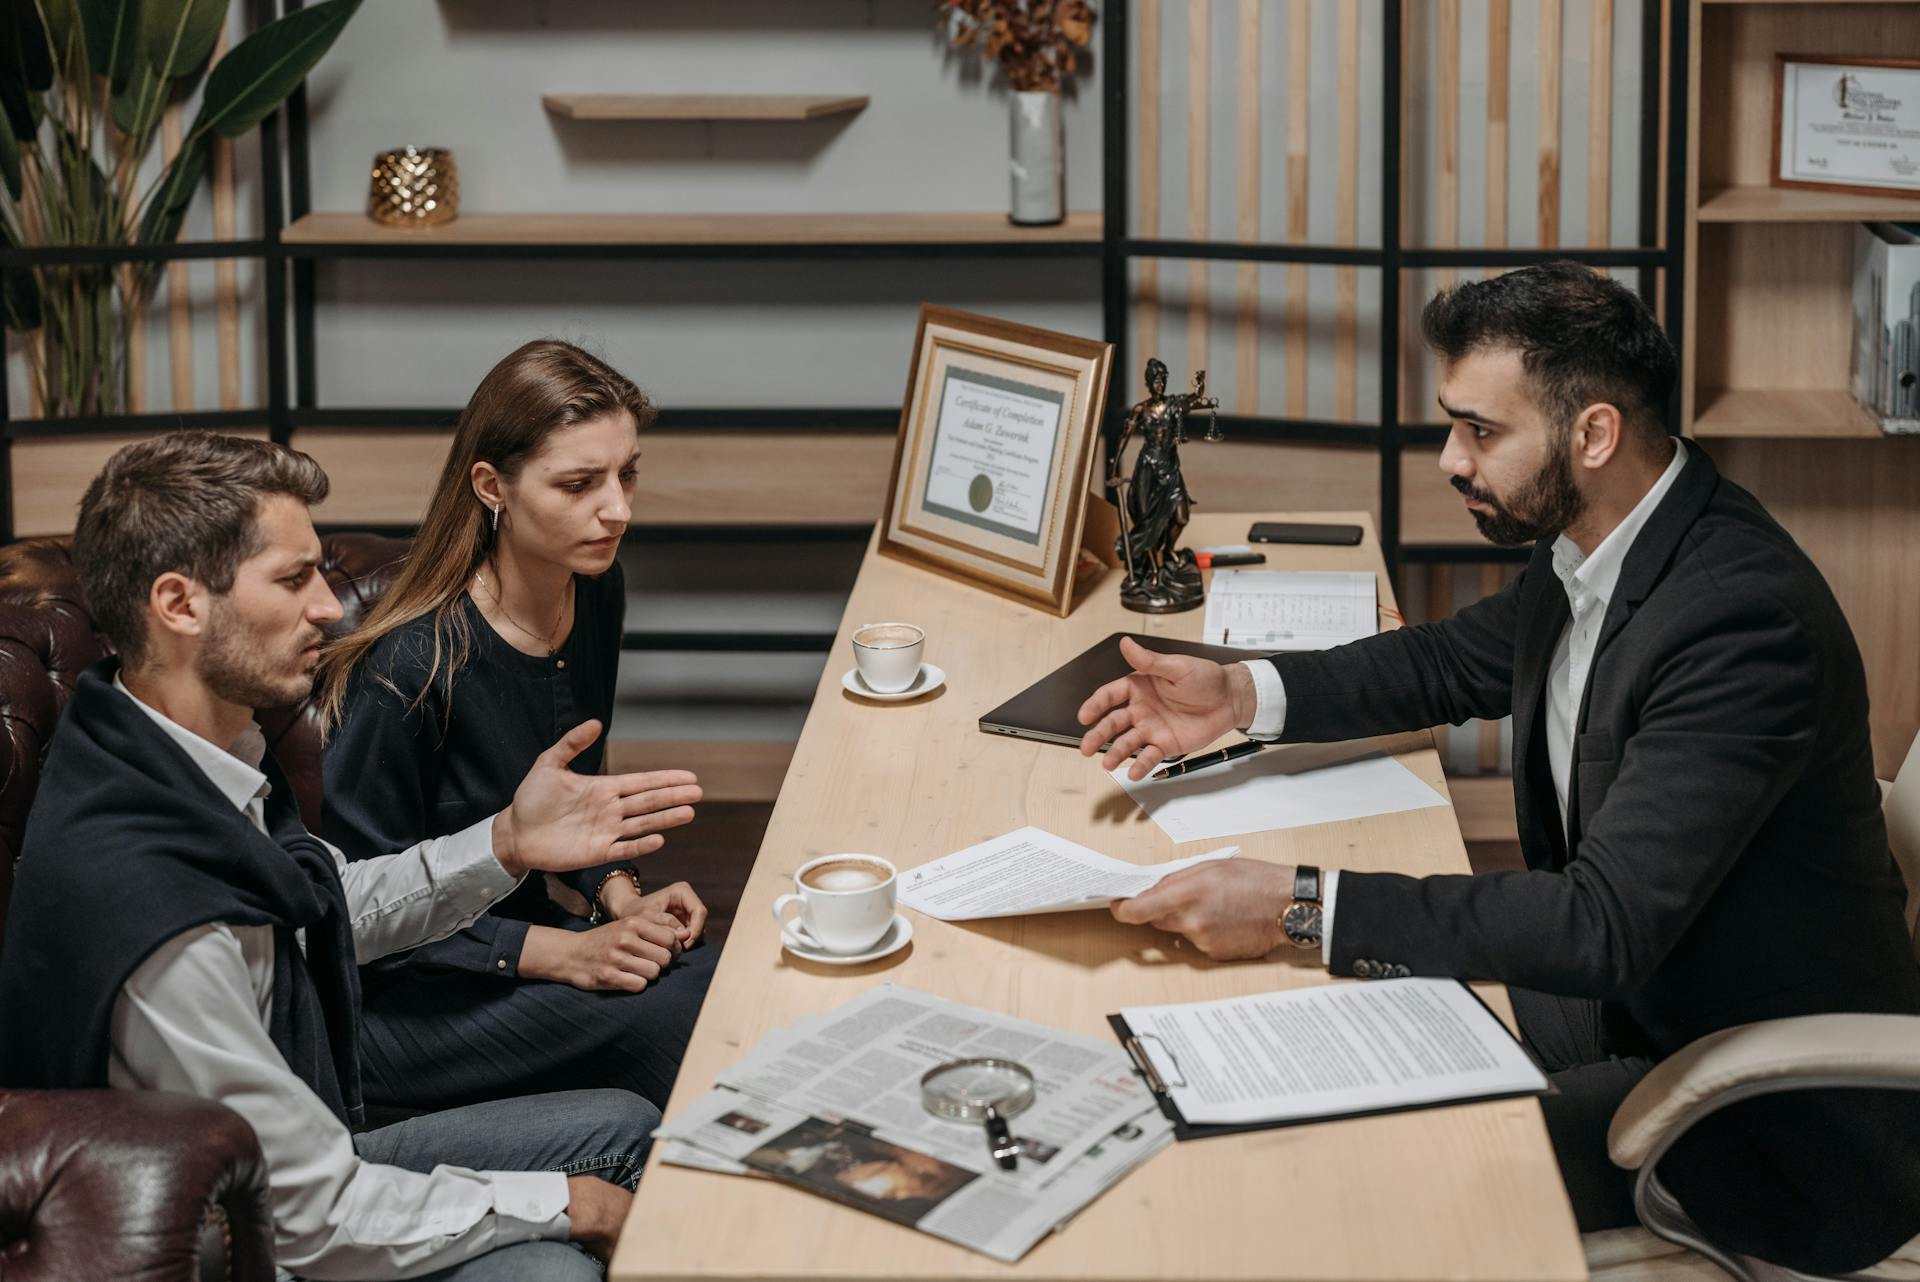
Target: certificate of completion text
[991,464]
[1848,124]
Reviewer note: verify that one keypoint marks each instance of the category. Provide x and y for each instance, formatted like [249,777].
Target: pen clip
[1137,1051]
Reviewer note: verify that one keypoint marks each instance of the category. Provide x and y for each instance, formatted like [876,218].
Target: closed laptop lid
[1047,709]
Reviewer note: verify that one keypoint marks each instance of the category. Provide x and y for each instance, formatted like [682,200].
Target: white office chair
[1756,1059]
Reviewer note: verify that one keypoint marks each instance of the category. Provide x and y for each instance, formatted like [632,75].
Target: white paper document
[1030,871]
[1331,1051]
[1270,610]
[1282,787]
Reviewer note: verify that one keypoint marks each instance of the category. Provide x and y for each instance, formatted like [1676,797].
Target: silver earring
[496,517]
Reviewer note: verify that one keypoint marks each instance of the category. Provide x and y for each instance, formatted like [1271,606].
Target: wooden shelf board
[1785,413]
[735,106]
[1796,205]
[336,228]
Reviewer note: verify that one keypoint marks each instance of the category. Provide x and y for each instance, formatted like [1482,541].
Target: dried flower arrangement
[1036,42]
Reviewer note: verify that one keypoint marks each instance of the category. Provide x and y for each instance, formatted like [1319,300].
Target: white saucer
[897,937]
[927,680]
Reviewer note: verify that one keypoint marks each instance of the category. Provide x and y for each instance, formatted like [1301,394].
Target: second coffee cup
[846,902]
[888,655]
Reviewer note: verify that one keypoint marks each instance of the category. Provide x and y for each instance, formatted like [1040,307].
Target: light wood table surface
[1464,1192]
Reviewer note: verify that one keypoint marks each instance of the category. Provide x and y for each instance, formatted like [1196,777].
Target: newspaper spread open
[832,1104]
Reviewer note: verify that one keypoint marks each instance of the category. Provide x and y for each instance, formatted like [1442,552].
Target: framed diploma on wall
[996,447]
[1847,124]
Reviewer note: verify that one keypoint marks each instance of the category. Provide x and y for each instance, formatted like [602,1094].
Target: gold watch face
[1301,922]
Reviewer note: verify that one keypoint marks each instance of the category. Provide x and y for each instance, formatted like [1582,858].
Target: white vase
[1038,159]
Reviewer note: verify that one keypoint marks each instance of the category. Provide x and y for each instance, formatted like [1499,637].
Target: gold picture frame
[998,435]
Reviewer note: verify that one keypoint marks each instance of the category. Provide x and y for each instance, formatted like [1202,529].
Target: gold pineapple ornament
[414,187]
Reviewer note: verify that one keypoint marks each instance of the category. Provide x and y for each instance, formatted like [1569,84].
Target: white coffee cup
[888,655]
[846,902]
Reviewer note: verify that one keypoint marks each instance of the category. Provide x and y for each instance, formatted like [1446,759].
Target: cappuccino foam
[888,636]
[849,874]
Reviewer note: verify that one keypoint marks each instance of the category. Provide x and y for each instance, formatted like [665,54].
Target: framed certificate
[997,442]
[1847,124]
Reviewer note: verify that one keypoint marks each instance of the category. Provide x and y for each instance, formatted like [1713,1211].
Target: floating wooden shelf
[695,229]
[1795,205]
[737,106]
[1783,413]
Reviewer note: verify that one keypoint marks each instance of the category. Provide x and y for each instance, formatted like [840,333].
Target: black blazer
[1726,859]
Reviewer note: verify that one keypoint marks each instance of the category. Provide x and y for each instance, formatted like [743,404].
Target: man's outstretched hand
[1169,705]
[560,820]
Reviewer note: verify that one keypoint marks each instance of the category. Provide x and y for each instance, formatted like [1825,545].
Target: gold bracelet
[600,912]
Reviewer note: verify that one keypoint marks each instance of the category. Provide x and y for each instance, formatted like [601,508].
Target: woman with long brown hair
[501,631]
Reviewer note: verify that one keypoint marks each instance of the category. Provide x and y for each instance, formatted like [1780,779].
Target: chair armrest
[1802,1053]
[98,1184]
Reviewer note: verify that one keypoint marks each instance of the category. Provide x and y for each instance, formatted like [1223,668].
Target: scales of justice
[1154,503]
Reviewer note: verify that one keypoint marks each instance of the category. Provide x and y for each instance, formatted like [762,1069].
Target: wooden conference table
[1464,1192]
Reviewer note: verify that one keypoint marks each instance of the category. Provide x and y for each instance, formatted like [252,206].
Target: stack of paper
[1031,871]
[832,1105]
[1270,610]
[1283,787]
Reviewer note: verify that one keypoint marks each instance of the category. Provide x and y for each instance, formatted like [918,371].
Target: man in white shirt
[1693,778]
[175,928]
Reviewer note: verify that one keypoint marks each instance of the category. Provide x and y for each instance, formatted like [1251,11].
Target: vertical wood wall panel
[1346,214]
[1151,50]
[1447,177]
[179,288]
[1199,175]
[1550,17]
[226,272]
[1600,125]
[1499,73]
[1247,229]
[1299,105]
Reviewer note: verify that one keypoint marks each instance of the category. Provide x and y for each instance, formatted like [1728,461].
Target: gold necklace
[501,604]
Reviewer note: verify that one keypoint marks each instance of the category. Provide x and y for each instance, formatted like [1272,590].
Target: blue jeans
[599,1132]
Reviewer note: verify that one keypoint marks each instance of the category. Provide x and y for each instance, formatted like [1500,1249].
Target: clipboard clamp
[1137,1051]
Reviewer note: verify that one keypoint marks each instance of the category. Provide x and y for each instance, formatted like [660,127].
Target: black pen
[1188,764]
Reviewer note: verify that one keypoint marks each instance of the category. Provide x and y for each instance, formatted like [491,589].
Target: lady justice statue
[1154,502]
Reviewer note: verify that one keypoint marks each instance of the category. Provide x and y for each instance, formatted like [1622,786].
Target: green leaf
[177,35]
[254,78]
[161,223]
[138,104]
[112,30]
[23,121]
[63,26]
[25,57]
[10,162]
[20,296]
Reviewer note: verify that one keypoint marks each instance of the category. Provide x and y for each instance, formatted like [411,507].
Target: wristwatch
[1301,920]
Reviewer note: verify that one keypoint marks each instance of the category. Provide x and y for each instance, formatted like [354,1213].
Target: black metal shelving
[293,399]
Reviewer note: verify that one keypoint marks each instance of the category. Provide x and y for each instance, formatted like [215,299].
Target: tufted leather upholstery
[129,1184]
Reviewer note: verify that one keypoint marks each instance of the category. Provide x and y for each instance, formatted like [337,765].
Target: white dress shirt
[193,1019]
[1589,582]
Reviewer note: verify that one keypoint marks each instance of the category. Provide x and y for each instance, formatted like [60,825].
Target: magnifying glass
[984,1090]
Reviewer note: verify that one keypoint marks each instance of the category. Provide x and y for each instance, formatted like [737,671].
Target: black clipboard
[1135,1044]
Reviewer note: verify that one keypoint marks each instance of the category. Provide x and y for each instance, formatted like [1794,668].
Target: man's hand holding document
[1031,871]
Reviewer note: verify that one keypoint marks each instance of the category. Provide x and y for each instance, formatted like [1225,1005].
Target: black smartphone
[1289,532]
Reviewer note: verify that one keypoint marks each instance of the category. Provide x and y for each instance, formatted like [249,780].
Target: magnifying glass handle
[1000,1141]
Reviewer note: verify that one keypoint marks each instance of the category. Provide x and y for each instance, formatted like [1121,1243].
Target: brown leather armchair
[133,1184]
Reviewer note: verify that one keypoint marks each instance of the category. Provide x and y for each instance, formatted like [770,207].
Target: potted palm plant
[1037,44]
[83,87]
